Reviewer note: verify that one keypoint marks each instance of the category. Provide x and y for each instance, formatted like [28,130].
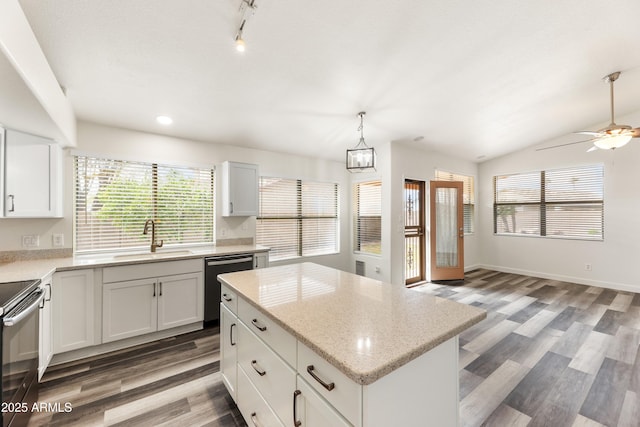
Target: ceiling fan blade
[635,132]
[589,132]
[593,148]
[563,145]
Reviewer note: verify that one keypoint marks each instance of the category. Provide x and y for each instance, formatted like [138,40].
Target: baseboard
[95,350]
[563,278]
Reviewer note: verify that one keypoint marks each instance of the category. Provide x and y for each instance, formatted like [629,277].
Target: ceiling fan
[610,137]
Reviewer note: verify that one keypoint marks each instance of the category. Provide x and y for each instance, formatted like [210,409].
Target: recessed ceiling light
[164,120]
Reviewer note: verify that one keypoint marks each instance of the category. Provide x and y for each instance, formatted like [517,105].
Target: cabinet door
[261,260]
[180,300]
[240,189]
[73,310]
[46,339]
[312,410]
[31,176]
[129,309]
[228,349]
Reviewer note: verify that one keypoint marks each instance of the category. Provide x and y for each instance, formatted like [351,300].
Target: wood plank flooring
[174,381]
[549,353]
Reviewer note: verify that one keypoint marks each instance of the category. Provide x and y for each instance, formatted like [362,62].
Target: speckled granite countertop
[40,268]
[364,327]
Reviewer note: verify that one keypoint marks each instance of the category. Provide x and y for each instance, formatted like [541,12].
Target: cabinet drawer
[252,405]
[229,298]
[313,411]
[277,338]
[273,378]
[345,394]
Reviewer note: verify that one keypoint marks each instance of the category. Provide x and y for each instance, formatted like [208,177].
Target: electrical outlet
[30,241]
[587,266]
[58,240]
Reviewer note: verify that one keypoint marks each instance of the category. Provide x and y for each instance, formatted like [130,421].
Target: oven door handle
[26,307]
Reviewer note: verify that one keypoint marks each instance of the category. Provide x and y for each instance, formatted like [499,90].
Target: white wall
[127,144]
[612,260]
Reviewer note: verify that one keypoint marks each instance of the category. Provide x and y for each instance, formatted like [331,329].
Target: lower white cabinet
[311,410]
[228,346]
[136,307]
[261,260]
[255,410]
[45,337]
[73,312]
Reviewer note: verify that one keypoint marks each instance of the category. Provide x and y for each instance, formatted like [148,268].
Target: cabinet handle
[13,206]
[296,423]
[257,324]
[254,420]
[254,365]
[226,297]
[231,334]
[50,291]
[230,207]
[329,386]
[160,288]
[154,290]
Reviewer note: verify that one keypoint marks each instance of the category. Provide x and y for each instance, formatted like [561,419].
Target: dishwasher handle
[26,307]
[225,261]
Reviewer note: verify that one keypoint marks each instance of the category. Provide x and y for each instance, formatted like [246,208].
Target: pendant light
[362,158]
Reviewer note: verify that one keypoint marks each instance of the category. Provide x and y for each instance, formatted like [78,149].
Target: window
[297,218]
[565,203]
[368,217]
[114,198]
[468,196]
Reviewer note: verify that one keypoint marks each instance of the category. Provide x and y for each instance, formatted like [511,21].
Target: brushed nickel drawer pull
[296,423]
[257,324]
[254,420]
[254,365]
[329,386]
[226,297]
[231,334]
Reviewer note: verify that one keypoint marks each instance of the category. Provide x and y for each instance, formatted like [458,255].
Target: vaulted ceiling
[475,79]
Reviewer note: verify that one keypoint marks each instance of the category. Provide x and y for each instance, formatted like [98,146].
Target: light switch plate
[30,241]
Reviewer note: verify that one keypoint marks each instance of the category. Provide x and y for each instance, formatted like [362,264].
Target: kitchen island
[306,343]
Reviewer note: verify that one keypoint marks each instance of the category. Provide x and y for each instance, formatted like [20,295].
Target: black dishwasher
[212,267]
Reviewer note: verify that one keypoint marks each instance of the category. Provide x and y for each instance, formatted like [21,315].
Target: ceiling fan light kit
[611,137]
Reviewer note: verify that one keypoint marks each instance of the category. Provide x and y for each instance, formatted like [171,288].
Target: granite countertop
[40,268]
[364,327]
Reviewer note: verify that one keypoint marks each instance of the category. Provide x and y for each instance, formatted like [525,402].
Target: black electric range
[19,324]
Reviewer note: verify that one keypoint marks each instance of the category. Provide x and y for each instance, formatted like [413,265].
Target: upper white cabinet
[239,189]
[31,175]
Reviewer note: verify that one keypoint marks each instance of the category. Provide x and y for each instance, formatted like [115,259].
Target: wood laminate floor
[549,353]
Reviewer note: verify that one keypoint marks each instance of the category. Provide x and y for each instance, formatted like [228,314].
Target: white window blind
[367,219]
[297,218]
[468,196]
[114,198]
[565,202]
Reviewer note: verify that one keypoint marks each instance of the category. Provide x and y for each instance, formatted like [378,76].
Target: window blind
[565,202]
[297,218]
[368,217]
[114,198]
[468,196]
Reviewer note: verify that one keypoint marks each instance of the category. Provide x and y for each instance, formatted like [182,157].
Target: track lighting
[247,9]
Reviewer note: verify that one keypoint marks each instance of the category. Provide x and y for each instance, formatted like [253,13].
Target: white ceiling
[475,78]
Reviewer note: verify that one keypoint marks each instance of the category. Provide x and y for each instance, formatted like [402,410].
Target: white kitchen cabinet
[311,410]
[239,189]
[45,345]
[144,298]
[73,311]
[261,260]
[129,309]
[32,175]
[228,346]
